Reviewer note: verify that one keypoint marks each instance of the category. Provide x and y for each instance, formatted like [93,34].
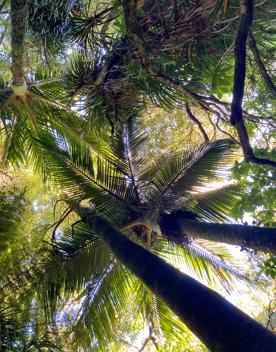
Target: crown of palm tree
[136,195]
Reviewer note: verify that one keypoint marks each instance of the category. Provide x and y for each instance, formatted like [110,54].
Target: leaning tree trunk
[219,324]
[258,238]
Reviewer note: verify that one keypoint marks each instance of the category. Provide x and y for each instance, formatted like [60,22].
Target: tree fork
[219,324]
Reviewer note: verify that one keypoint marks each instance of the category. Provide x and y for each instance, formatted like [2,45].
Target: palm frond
[90,29]
[51,18]
[216,205]
[162,322]
[172,329]
[129,144]
[86,176]
[177,177]
[104,302]
[205,266]
[78,72]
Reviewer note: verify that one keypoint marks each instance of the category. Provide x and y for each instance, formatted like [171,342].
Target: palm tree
[146,199]
[215,321]
[142,199]
[164,197]
[32,104]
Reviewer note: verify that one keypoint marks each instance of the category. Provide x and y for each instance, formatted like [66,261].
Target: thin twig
[197,122]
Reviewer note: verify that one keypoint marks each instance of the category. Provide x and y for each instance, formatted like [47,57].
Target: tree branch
[2,5]
[263,71]
[139,43]
[197,122]
[236,118]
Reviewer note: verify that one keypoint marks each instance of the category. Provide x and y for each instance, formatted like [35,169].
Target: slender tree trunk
[258,238]
[19,17]
[263,71]
[219,324]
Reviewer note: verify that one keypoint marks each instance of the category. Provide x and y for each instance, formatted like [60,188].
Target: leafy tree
[61,124]
[148,201]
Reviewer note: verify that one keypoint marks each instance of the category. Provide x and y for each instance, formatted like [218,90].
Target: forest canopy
[137,175]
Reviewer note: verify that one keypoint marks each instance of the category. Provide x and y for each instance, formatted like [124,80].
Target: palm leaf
[215,205]
[211,269]
[85,176]
[177,177]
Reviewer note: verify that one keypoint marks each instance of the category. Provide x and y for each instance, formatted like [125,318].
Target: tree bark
[263,71]
[236,118]
[257,238]
[219,324]
[19,17]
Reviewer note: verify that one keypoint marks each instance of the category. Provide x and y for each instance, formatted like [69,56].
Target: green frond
[216,205]
[14,136]
[89,29]
[164,324]
[173,330]
[129,144]
[104,302]
[203,265]
[39,114]
[85,176]
[79,259]
[222,251]
[78,72]
[175,178]
[50,89]
[51,18]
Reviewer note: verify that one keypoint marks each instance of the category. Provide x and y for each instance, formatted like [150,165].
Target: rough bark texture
[19,16]
[219,324]
[236,118]
[258,238]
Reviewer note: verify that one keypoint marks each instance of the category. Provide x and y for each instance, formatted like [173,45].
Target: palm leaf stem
[128,155]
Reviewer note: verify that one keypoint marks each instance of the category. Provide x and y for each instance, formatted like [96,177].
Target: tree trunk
[19,17]
[258,238]
[219,324]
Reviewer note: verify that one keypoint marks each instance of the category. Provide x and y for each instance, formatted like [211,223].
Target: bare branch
[197,122]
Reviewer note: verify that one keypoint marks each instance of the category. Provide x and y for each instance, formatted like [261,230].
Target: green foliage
[85,74]
[12,206]
[269,267]
[258,200]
